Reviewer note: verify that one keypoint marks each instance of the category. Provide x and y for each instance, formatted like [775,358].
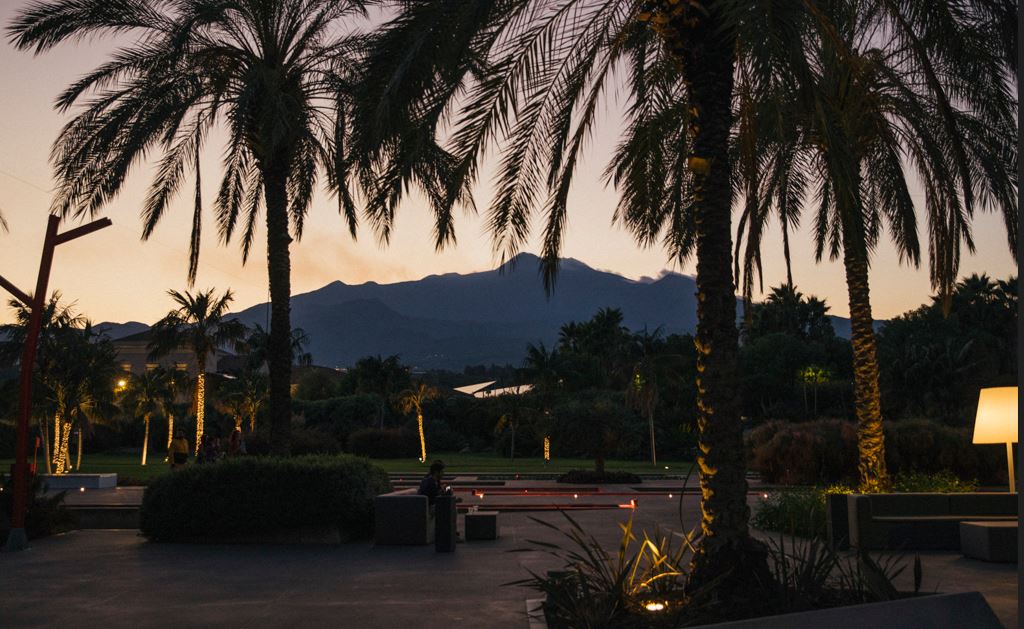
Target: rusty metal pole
[17,538]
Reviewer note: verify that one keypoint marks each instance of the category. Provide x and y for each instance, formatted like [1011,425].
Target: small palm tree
[198,324]
[653,367]
[244,397]
[412,400]
[146,396]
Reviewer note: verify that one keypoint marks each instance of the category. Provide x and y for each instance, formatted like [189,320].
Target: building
[133,357]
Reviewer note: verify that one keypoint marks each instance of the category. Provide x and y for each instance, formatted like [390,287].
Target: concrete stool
[989,541]
[481,525]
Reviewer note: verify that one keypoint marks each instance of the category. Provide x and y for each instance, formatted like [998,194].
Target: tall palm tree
[146,396]
[197,324]
[653,365]
[867,114]
[176,387]
[275,73]
[412,400]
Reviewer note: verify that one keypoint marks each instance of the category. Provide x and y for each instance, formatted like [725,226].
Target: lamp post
[996,421]
[16,539]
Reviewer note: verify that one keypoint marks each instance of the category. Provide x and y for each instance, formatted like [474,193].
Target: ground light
[654,606]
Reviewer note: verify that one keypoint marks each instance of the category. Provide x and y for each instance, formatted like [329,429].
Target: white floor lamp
[996,421]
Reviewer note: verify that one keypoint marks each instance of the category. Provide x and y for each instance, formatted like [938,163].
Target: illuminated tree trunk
[56,438]
[547,449]
[867,396]
[727,555]
[78,456]
[252,423]
[145,438]
[279,350]
[200,403]
[238,422]
[62,453]
[423,441]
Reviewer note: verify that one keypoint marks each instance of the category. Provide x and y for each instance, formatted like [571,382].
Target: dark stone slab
[989,541]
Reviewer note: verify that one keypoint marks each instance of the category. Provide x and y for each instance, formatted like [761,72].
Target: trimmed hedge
[257,495]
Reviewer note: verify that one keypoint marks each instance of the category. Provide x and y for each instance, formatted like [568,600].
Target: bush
[312,441]
[592,477]
[257,495]
[46,515]
[384,444]
[8,432]
[818,452]
[341,415]
[944,482]
[806,453]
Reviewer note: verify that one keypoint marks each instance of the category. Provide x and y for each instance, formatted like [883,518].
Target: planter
[837,512]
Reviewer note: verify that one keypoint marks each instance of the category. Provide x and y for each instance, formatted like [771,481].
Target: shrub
[942,482]
[258,495]
[384,444]
[796,512]
[8,432]
[312,441]
[805,453]
[46,515]
[341,415]
[592,477]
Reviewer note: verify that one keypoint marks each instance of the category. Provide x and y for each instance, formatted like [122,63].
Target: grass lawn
[128,468]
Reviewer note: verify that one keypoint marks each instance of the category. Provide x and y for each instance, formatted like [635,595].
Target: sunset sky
[114,276]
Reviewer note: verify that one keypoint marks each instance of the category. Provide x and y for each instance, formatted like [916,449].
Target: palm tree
[197,324]
[176,385]
[146,396]
[275,73]
[867,112]
[653,366]
[257,345]
[412,400]
[244,396]
[530,74]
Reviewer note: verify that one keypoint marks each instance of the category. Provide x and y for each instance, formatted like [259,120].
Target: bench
[989,540]
[921,521]
[402,518]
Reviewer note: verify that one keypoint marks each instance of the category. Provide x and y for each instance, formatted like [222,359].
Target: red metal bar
[16,539]
[12,289]
[78,232]
[25,391]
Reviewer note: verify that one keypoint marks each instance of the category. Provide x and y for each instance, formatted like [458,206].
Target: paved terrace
[114,578]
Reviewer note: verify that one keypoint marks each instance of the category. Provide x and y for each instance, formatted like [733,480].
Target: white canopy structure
[483,389]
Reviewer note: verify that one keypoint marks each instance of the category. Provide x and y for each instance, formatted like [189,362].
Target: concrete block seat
[922,521]
[989,540]
[481,525]
[402,518]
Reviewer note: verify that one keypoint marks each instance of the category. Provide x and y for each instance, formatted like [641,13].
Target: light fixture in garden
[996,422]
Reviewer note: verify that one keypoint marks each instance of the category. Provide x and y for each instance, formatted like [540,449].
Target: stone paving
[117,579]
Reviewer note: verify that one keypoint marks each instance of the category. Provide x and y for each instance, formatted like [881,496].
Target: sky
[113,275]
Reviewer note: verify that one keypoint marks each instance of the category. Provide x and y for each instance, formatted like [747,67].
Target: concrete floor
[117,579]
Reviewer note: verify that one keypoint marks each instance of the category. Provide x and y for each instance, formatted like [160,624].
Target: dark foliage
[253,495]
[811,453]
[46,515]
[383,444]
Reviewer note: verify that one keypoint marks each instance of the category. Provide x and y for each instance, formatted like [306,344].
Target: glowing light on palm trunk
[423,442]
[200,406]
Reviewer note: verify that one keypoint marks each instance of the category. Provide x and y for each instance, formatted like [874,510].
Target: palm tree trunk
[867,396]
[423,442]
[200,401]
[650,424]
[279,351]
[78,457]
[62,453]
[46,445]
[727,553]
[56,437]
[145,438]
[170,429]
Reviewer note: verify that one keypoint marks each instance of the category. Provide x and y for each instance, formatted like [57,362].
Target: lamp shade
[996,421]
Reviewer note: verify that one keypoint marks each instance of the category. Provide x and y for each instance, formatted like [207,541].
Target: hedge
[246,496]
[813,453]
[384,444]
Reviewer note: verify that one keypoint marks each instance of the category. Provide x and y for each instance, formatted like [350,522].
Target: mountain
[116,331]
[450,321]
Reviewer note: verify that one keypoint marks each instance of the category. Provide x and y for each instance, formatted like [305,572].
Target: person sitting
[430,486]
